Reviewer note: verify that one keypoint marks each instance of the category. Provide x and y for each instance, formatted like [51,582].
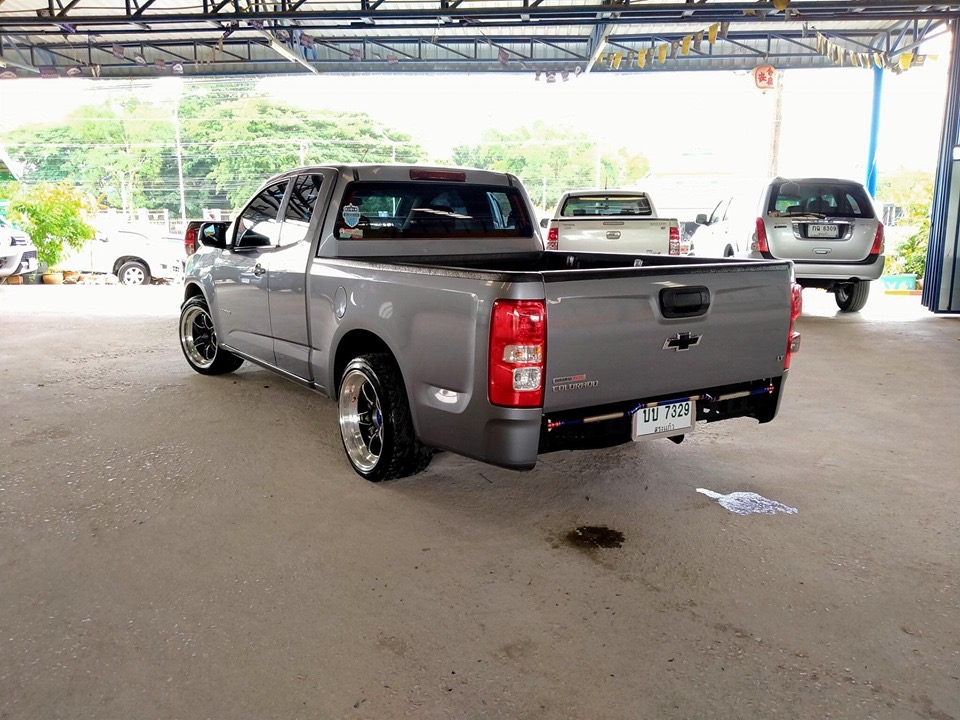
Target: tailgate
[649,236]
[833,239]
[637,333]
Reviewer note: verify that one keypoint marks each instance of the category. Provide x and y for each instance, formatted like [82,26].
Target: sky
[714,124]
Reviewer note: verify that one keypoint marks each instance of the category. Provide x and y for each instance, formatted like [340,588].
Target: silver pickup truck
[423,301]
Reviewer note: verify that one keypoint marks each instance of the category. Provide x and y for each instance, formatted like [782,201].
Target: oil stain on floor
[591,537]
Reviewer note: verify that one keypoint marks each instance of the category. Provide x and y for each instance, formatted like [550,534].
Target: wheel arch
[353,344]
[192,290]
[130,258]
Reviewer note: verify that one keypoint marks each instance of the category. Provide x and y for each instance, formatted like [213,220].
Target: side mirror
[702,219]
[213,235]
[252,239]
[544,223]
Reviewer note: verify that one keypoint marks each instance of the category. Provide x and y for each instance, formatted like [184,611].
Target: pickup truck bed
[607,342]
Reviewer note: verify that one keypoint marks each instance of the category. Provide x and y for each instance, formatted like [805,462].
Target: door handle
[259,270]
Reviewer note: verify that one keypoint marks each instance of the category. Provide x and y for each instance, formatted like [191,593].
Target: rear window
[603,205]
[387,210]
[819,198]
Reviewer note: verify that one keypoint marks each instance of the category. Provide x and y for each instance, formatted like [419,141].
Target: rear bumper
[599,427]
[831,272]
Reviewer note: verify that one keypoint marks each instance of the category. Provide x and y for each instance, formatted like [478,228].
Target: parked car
[828,227]
[134,257]
[17,252]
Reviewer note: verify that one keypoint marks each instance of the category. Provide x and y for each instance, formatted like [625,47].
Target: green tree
[53,214]
[550,160]
[250,139]
[230,142]
[106,151]
[912,192]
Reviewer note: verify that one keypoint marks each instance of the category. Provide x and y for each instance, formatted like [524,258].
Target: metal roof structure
[147,38]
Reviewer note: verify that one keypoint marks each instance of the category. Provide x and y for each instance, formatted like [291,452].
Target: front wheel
[852,298]
[375,423]
[134,272]
[198,340]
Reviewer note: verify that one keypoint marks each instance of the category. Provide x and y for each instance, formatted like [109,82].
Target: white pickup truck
[617,221]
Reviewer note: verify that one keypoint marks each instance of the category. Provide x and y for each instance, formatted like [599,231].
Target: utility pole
[303,153]
[775,129]
[176,131]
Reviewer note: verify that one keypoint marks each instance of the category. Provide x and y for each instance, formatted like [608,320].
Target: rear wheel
[375,423]
[134,272]
[852,297]
[198,340]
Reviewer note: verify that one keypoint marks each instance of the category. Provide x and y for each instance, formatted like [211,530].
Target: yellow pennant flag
[642,58]
[617,59]
[662,53]
[878,60]
[685,45]
[855,59]
[712,33]
[600,59]
[781,4]
[906,59]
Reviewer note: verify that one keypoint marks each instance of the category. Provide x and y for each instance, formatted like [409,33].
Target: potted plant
[54,215]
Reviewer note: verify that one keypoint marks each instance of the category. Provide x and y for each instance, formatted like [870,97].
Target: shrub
[54,215]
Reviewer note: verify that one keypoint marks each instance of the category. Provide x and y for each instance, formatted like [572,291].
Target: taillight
[674,240]
[190,241]
[760,245]
[518,353]
[878,240]
[793,337]
[553,239]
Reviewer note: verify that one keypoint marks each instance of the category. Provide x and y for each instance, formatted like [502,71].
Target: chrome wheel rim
[198,337]
[133,276]
[361,421]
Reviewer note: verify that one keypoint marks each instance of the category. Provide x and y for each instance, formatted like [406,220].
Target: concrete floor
[177,546]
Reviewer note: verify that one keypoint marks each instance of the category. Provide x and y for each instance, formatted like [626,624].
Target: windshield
[819,198]
[385,210]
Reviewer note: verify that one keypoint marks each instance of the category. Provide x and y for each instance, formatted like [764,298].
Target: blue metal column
[938,276]
[874,131]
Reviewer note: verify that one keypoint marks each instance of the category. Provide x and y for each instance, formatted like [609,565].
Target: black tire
[134,272]
[852,298]
[198,340]
[728,252]
[375,423]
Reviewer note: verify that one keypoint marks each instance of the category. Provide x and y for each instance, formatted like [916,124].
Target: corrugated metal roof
[203,37]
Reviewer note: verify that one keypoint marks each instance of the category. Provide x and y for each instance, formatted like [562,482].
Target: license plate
[823,231]
[664,420]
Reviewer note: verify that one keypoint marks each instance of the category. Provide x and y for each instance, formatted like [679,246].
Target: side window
[258,226]
[853,205]
[303,199]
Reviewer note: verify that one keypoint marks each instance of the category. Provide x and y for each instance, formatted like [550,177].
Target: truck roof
[370,172]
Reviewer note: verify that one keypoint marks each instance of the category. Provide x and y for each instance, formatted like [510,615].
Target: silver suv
[828,227]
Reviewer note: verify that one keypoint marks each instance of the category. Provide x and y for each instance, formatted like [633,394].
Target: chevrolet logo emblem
[683,341]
